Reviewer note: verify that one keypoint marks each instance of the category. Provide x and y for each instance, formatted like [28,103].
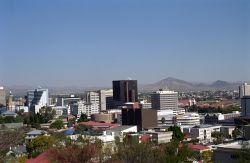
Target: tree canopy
[40,144]
[83,118]
[177,134]
[58,124]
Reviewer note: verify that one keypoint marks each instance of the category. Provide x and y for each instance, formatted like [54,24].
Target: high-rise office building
[245,106]
[125,91]
[37,98]
[164,100]
[132,114]
[244,90]
[2,96]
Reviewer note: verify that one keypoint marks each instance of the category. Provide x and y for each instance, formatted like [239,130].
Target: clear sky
[91,43]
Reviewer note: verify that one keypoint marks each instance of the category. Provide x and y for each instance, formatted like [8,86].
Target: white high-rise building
[37,99]
[105,99]
[2,96]
[92,97]
[244,90]
[164,100]
[83,107]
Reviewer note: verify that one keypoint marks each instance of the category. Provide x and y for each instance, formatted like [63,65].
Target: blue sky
[91,43]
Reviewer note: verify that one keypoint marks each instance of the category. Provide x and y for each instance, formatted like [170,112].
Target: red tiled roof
[184,102]
[145,138]
[99,125]
[197,147]
[39,159]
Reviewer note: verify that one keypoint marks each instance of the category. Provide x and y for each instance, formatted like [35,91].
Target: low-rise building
[227,131]
[102,117]
[213,118]
[9,114]
[203,132]
[98,125]
[228,153]
[35,133]
[121,130]
[216,118]
[183,119]
[17,151]
[161,137]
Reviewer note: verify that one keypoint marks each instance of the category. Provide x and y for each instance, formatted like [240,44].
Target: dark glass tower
[125,91]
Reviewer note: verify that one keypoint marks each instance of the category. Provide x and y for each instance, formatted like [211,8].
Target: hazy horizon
[90,43]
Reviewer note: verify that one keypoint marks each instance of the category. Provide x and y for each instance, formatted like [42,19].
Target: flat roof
[121,128]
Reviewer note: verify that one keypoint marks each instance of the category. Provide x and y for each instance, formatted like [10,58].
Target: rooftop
[166,92]
[9,113]
[233,145]
[36,132]
[19,149]
[197,147]
[206,126]
[120,128]
[98,124]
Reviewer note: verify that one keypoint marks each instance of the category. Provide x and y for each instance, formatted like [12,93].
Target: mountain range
[182,86]
[165,84]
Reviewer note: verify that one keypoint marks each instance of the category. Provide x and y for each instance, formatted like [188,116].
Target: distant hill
[181,85]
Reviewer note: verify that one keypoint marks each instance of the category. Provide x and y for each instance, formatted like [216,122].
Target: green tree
[219,137]
[131,151]
[20,112]
[83,118]
[244,154]
[40,144]
[235,133]
[207,156]
[177,134]
[163,120]
[11,138]
[47,113]
[82,129]
[58,124]
[71,122]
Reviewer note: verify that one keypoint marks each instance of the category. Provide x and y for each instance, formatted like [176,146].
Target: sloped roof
[36,132]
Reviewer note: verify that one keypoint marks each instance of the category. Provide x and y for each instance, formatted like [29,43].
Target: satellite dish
[129,78]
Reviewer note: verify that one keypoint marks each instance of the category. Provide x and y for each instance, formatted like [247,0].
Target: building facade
[244,90]
[105,99]
[164,100]
[143,118]
[37,99]
[82,107]
[2,96]
[125,91]
[203,132]
[245,106]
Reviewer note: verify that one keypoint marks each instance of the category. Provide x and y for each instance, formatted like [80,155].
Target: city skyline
[80,43]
